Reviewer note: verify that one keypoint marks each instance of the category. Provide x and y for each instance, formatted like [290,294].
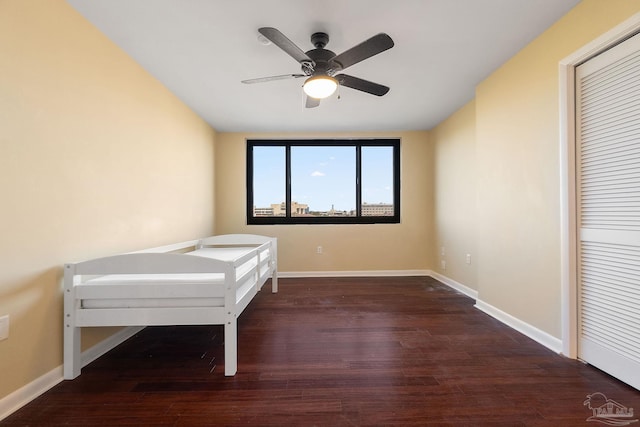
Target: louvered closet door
[608,170]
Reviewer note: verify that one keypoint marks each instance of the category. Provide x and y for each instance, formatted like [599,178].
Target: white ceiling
[202,49]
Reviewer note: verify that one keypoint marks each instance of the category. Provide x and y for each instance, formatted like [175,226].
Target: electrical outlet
[443,264]
[319,250]
[468,258]
[442,250]
[4,327]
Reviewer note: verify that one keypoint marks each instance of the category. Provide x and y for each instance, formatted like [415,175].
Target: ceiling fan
[320,65]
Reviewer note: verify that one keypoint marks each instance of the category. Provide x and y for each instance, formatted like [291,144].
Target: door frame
[568,199]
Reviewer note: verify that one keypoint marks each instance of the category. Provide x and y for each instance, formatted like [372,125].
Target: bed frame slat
[165,316]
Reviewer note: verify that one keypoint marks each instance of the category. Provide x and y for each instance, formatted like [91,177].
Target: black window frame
[358,218]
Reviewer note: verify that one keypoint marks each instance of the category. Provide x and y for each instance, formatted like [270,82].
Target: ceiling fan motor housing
[323,59]
[321,56]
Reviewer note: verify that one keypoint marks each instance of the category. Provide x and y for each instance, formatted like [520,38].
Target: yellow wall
[404,246]
[517,170]
[96,157]
[455,196]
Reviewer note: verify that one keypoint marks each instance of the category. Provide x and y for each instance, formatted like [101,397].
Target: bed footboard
[244,240]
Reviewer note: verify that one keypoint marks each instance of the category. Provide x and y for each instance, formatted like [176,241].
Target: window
[323,181]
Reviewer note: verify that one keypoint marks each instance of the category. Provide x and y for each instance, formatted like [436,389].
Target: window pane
[269,181]
[377,181]
[323,181]
[316,181]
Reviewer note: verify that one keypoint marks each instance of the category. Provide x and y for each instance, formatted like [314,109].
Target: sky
[322,177]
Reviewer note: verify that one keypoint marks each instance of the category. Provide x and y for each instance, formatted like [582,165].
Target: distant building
[298,209]
[301,209]
[279,209]
[377,209]
[262,211]
[334,212]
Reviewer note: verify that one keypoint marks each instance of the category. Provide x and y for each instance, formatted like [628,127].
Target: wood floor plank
[403,351]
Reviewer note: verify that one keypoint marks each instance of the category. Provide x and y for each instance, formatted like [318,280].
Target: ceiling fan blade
[368,48]
[276,37]
[311,102]
[362,85]
[268,79]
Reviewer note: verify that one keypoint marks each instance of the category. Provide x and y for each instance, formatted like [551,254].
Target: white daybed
[202,282]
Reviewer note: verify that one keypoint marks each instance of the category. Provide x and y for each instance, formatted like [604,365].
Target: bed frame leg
[274,265]
[274,282]
[72,360]
[71,347]
[230,348]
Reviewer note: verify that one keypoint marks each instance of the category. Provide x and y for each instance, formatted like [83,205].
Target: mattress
[166,290]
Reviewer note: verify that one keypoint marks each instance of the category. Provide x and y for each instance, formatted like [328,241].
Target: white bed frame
[199,282]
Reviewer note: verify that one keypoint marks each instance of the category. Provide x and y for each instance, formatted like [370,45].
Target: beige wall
[455,214]
[517,146]
[96,157]
[404,246]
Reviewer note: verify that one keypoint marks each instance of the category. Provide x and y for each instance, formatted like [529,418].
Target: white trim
[532,332]
[568,210]
[568,226]
[472,293]
[365,273]
[16,400]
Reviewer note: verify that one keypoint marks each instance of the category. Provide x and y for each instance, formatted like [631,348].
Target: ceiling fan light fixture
[320,87]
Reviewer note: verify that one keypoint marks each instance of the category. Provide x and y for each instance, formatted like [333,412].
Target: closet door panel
[608,166]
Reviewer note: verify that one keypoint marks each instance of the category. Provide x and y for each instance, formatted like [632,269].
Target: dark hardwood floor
[334,352]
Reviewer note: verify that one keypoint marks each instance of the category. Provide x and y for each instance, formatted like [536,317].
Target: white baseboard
[552,343]
[549,341]
[366,273]
[16,400]
[472,293]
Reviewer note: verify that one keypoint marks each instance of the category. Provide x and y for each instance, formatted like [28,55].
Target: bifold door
[608,165]
[608,175]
